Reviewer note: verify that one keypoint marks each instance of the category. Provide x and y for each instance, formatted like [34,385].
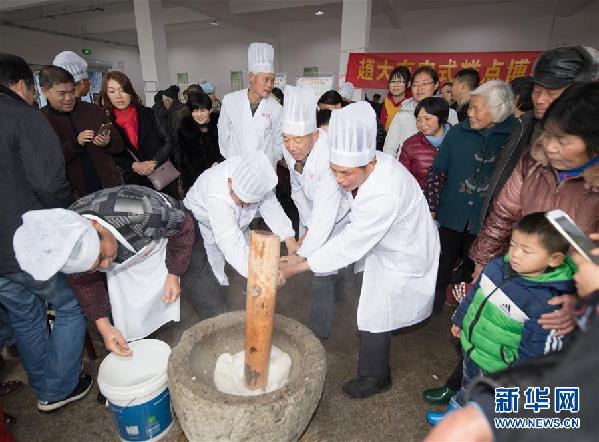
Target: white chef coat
[239,132]
[224,224]
[392,237]
[403,126]
[322,205]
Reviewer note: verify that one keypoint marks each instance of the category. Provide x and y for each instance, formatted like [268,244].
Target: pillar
[151,38]
[355,34]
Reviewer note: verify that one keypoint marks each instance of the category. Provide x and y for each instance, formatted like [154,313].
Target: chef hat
[299,111]
[352,135]
[254,177]
[73,63]
[208,87]
[261,58]
[55,240]
[346,90]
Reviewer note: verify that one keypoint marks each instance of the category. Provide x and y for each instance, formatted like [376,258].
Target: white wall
[41,48]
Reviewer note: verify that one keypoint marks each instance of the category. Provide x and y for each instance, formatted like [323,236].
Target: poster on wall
[320,83]
[371,70]
[236,80]
[280,81]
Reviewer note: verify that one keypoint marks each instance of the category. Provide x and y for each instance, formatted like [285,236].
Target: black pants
[374,354]
[454,381]
[452,243]
[200,284]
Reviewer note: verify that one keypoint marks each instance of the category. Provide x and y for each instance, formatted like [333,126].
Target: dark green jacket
[467,158]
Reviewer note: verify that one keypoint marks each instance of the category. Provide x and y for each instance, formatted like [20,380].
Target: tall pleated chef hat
[352,135]
[254,177]
[55,240]
[261,58]
[299,111]
[73,63]
[346,90]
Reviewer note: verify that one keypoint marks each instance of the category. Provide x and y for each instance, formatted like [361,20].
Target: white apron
[136,287]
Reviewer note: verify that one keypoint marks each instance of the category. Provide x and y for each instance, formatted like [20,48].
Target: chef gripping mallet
[263,268]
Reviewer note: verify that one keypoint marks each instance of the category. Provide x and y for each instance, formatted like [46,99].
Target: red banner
[371,70]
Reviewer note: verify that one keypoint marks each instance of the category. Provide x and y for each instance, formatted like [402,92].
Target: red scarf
[127,120]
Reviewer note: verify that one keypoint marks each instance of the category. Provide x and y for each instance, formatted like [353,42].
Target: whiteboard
[320,83]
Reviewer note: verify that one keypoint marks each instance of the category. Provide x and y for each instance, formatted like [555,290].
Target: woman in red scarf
[399,83]
[147,144]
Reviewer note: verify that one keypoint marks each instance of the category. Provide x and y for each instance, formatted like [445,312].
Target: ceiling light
[214,23]
[319,12]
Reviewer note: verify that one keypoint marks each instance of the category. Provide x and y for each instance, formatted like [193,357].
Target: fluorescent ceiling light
[319,12]
[214,23]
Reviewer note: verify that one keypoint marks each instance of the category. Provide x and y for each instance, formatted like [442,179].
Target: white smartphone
[576,237]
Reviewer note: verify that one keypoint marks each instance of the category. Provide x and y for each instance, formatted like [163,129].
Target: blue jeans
[52,360]
[471,371]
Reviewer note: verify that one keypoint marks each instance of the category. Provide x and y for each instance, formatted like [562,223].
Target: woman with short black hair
[399,82]
[198,139]
[330,100]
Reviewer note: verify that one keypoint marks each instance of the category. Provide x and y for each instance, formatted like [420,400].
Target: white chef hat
[254,177]
[261,58]
[352,135]
[346,90]
[299,111]
[73,63]
[55,240]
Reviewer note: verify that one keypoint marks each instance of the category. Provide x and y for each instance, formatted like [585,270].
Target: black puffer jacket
[32,170]
[199,148]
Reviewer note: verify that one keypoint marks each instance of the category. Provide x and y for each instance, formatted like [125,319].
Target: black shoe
[365,386]
[80,391]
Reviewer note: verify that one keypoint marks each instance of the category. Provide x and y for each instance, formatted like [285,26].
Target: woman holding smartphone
[147,143]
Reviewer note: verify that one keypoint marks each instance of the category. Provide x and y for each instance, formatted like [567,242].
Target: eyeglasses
[397,82]
[426,83]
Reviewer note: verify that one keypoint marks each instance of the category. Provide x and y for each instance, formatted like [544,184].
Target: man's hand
[113,339]
[587,276]
[101,140]
[561,320]
[292,245]
[290,265]
[172,289]
[464,424]
[455,331]
[85,137]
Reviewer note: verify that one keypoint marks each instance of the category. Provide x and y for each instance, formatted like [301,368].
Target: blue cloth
[436,141]
[574,173]
[52,361]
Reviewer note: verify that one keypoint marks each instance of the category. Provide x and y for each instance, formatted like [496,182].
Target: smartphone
[104,129]
[576,237]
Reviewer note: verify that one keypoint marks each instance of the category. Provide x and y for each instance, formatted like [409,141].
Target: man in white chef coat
[250,119]
[391,236]
[224,200]
[322,205]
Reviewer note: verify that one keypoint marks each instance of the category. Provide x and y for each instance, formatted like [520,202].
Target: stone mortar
[206,414]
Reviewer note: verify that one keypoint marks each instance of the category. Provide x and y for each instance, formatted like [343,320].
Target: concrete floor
[421,357]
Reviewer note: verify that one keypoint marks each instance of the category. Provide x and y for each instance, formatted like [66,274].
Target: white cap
[346,90]
[73,63]
[352,135]
[55,240]
[261,58]
[254,177]
[299,111]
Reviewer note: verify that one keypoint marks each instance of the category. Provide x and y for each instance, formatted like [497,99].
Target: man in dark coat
[88,153]
[33,177]
[176,112]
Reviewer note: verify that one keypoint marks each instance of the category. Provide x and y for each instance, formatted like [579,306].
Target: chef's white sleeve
[275,217]
[371,220]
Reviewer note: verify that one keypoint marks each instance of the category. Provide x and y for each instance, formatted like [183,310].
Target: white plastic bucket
[137,392]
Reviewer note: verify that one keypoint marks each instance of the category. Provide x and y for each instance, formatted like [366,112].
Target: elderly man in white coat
[391,236]
[250,119]
[322,205]
[224,200]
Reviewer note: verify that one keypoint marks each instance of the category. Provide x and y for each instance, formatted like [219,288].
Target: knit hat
[55,240]
[261,58]
[254,177]
[73,63]
[352,135]
[299,111]
[172,92]
[560,67]
[208,87]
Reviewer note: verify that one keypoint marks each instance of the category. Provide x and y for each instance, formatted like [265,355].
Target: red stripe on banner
[371,70]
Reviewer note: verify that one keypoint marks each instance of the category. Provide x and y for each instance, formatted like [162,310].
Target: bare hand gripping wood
[260,306]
